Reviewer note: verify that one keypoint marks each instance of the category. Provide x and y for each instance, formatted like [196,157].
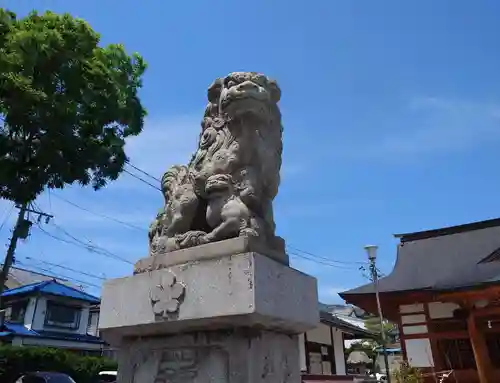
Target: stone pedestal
[202,315]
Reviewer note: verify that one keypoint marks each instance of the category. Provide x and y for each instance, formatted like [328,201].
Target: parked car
[45,377]
[107,377]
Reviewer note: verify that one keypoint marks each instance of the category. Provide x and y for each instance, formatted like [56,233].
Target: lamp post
[371,251]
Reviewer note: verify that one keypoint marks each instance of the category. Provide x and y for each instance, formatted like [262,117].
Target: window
[15,312]
[493,344]
[321,361]
[93,324]
[63,316]
[457,354]
[448,325]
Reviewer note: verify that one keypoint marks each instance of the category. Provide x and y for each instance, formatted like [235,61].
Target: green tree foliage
[15,361]
[66,105]
[407,374]
[373,324]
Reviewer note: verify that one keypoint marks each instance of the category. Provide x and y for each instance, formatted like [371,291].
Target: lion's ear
[214,90]
[274,90]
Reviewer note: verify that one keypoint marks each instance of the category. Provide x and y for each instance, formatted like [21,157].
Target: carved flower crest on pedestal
[166,294]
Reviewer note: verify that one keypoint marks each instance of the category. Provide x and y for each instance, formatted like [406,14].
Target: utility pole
[372,257]
[20,231]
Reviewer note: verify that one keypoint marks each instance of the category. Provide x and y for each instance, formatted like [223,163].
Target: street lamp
[371,251]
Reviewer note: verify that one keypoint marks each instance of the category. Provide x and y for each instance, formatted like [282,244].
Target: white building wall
[320,334]
[338,349]
[302,353]
[39,318]
[41,311]
[94,323]
[414,321]
[442,310]
[34,319]
[84,320]
[410,309]
[419,352]
[30,312]
[413,330]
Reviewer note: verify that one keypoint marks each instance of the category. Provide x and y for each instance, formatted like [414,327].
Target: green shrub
[14,361]
[407,374]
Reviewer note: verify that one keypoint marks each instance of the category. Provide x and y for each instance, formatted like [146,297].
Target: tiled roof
[52,288]
[357,322]
[12,329]
[442,259]
[344,325]
[345,310]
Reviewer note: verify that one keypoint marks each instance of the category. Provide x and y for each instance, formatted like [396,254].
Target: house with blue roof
[52,314]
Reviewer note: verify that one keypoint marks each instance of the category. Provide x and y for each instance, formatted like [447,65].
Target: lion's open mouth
[244,97]
[216,188]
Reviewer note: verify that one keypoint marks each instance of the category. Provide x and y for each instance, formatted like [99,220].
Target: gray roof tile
[446,261]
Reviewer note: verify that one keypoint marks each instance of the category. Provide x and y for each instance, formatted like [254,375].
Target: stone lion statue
[228,187]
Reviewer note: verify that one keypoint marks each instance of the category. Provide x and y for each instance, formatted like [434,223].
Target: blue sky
[391,113]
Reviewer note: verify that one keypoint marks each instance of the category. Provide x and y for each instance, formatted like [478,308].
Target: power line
[91,248]
[89,244]
[141,179]
[9,213]
[142,171]
[67,268]
[318,257]
[321,262]
[130,225]
[59,276]
[78,242]
[326,258]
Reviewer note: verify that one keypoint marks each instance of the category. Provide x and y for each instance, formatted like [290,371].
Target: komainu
[229,185]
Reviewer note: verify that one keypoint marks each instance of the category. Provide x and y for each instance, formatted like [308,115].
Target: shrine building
[444,293]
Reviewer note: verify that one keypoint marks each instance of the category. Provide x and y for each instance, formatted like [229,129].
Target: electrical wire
[321,262]
[67,268]
[142,171]
[9,213]
[132,226]
[141,179]
[89,244]
[59,276]
[296,252]
[92,248]
[326,259]
[77,242]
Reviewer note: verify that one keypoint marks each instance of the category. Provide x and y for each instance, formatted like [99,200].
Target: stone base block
[235,356]
[220,249]
[232,291]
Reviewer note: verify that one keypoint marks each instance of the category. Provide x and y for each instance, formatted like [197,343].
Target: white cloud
[330,294]
[433,125]
[164,143]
